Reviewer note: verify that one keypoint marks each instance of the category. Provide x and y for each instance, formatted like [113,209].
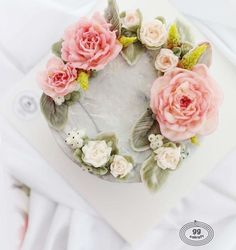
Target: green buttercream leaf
[145,126]
[56,48]
[128,33]
[72,98]
[194,56]
[161,18]
[177,51]
[78,155]
[112,16]
[152,176]
[110,139]
[122,14]
[132,53]
[56,115]
[184,31]
[174,38]
[98,171]
[129,158]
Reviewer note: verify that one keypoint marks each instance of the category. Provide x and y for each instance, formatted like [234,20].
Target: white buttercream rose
[96,153]
[166,60]
[132,19]
[153,34]
[168,157]
[120,167]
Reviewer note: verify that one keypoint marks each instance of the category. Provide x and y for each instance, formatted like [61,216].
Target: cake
[128,99]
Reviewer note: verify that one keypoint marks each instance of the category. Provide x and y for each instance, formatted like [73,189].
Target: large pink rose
[58,79]
[186,103]
[89,44]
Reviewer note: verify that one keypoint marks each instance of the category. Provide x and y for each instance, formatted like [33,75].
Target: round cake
[127,99]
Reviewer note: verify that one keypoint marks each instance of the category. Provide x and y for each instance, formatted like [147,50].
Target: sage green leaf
[122,14]
[129,158]
[93,73]
[177,51]
[161,18]
[56,115]
[184,31]
[145,126]
[112,16]
[132,53]
[98,171]
[128,33]
[72,98]
[78,156]
[110,139]
[56,48]
[152,176]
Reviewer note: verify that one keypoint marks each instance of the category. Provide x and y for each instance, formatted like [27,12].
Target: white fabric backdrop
[59,219]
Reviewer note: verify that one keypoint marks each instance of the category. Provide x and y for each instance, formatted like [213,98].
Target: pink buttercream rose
[58,79]
[89,44]
[186,103]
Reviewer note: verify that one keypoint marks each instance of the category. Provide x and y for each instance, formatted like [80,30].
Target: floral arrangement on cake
[184,99]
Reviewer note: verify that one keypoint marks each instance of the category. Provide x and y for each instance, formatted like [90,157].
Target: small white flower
[59,100]
[132,19]
[153,34]
[120,167]
[96,153]
[155,144]
[151,137]
[75,138]
[156,141]
[166,60]
[168,157]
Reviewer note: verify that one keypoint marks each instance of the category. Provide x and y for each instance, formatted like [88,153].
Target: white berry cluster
[75,138]
[156,141]
[59,100]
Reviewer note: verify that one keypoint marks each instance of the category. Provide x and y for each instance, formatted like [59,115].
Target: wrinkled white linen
[59,219]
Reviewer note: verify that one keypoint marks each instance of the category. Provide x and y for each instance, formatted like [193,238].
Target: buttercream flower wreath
[184,98]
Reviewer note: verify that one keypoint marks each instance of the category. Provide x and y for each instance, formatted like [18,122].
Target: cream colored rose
[120,167]
[166,60]
[153,34]
[96,153]
[132,19]
[168,157]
